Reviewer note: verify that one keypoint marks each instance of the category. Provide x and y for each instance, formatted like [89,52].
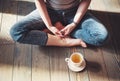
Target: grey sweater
[62,4]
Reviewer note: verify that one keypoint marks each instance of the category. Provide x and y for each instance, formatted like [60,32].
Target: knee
[96,33]
[15,33]
[96,38]
[101,39]
[99,35]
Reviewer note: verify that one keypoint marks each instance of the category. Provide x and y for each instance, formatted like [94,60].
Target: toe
[83,44]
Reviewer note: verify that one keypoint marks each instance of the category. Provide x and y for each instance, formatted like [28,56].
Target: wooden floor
[21,62]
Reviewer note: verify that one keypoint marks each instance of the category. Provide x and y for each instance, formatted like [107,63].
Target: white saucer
[77,68]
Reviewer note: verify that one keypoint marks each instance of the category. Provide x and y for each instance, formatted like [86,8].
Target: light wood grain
[112,66]
[8,19]
[9,16]
[40,64]
[105,5]
[79,76]
[22,63]
[58,66]
[6,62]
[112,5]
[95,64]
[115,32]
[97,5]
[111,50]
[1,4]
[83,75]
[6,51]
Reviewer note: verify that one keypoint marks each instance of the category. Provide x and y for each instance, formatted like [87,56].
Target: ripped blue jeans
[29,30]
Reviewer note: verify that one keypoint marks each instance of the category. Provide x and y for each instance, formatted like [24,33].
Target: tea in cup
[76,62]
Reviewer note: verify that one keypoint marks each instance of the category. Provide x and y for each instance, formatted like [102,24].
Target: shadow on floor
[16,7]
[111,21]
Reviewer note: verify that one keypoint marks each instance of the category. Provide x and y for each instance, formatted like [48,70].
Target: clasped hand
[62,31]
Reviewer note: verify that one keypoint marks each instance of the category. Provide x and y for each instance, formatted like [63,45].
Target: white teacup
[76,62]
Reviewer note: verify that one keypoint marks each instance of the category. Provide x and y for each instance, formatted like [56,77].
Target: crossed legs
[30,30]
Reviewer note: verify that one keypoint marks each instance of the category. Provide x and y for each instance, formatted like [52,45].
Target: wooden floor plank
[110,54]
[48,63]
[6,62]
[115,31]
[112,66]
[6,51]
[1,7]
[40,64]
[8,19]
[58,66]
[9,15]
[111,51]
[112,5]
[25,7]
[72,75]
[111,63]
[95,65]
[83,75]
[102,64]
[114,56]
[79,76]
[22,63]
[94,5]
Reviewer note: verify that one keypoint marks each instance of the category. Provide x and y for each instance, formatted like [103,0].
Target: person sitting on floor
[60,23]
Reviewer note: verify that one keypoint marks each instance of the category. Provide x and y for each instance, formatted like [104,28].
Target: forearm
[41,6]
[83,7]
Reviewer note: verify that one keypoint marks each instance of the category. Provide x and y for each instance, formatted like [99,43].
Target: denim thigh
[91,30]
[29,29]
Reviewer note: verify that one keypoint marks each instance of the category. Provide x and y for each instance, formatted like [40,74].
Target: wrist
[49,27]
[75,23]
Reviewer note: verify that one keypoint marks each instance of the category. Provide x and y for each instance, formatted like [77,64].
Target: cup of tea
[76,62]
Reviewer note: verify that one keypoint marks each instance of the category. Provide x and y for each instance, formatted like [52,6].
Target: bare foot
[83,44]
[54,40]
[73,42]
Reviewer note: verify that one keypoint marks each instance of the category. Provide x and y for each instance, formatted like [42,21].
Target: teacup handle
[67,59]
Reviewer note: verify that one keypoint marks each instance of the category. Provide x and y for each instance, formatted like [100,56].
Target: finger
[59,34]
[66,33]
[62,32]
